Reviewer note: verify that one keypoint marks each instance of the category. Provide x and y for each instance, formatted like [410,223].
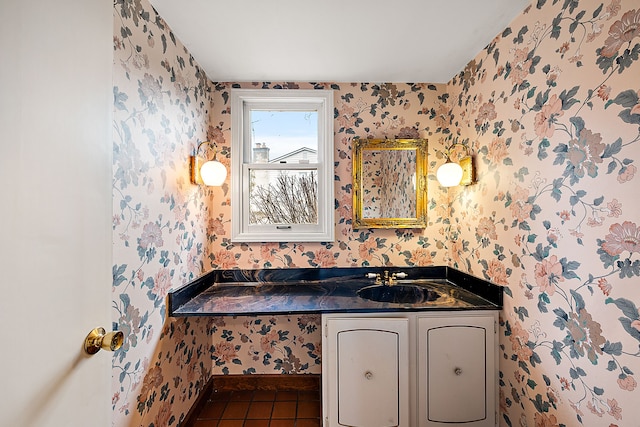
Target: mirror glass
[389,177]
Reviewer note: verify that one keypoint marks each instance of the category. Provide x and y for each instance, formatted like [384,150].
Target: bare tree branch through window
[291,199]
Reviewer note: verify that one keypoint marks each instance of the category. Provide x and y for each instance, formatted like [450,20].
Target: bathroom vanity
[418,369]
[418,351]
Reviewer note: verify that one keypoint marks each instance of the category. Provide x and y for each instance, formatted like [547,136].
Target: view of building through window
[286,192]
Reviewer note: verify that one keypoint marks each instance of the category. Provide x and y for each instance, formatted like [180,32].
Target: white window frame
[242,101]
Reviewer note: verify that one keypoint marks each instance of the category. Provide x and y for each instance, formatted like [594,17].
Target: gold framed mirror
[389,183]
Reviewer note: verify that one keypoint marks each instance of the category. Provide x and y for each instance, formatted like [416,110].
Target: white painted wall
[55,215]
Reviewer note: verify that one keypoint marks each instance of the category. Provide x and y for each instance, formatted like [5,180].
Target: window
[282,165]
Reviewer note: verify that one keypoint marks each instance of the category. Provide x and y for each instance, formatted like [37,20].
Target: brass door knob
[98,338]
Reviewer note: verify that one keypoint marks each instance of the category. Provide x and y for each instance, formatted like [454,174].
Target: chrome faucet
[386,279]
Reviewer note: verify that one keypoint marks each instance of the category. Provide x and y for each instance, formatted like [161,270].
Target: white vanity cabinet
[457,381]
[365,371]
[418,369]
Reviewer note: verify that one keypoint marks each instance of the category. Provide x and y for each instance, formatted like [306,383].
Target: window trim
[242,100]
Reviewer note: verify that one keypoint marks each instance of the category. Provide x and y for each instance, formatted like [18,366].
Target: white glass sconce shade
[449,174]
[213,173]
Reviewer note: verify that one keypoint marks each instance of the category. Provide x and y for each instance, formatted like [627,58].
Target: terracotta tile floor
[259,408]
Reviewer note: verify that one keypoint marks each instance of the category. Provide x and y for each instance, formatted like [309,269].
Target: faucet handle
[374,276]
[394,276]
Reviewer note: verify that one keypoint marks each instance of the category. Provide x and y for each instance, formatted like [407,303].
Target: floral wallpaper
[398,184]
[364,110]
[551,110]
[167,231]
[388,182]
[161,106]
[283,344]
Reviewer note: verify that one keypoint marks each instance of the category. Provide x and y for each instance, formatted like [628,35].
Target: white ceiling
[336,40]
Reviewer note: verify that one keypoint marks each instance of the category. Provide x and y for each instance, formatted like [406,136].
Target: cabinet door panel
[456,371]
[368,368]
[367,372]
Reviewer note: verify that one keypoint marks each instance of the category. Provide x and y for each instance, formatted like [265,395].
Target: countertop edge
[338,311]
[177,298]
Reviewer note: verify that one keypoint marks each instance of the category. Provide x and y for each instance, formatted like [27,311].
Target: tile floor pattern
[261,408]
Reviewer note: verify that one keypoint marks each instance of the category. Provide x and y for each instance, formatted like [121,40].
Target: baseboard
[197,406]
[266,382]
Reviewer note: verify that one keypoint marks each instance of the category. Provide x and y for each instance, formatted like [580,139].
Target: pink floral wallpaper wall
[168,231]
[551,110]
[364,110]
[389,184]
[399,184]
[284,344]
[161,106]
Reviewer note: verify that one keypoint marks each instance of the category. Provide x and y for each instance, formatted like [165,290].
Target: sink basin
[401,294]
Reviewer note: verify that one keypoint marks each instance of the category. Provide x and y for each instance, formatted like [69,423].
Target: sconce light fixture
[207,172]
[451,174]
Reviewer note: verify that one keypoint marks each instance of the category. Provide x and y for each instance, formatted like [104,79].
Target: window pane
[283,197]
[289,132]
[284,136]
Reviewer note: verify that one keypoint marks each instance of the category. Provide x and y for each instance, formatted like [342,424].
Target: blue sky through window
[284,131]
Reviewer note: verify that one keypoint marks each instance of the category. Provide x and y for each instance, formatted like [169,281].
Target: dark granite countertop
[324,290]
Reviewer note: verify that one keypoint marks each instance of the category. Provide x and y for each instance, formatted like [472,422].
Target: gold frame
[420,219]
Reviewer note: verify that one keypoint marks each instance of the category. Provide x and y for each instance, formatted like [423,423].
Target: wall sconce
[451,173]
[207,172]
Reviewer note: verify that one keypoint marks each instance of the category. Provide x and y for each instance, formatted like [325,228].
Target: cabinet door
[365,372]
[456,372]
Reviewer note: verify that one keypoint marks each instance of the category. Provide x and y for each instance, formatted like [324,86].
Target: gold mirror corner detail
[389,183]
